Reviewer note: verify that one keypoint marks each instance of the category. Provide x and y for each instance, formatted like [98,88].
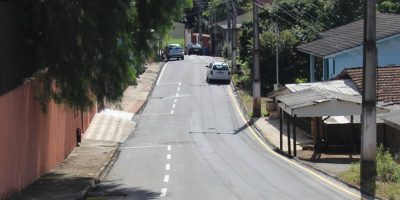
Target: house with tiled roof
[342,47]
[387,92]
[341,125]
[387,82]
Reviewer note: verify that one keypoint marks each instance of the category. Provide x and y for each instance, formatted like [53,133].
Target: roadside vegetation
[245,93]
[92,50]
[298,22]
[388,175]
[170,40]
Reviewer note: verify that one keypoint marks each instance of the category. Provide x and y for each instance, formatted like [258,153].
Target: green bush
[388,170]
[170,40]
[225,51]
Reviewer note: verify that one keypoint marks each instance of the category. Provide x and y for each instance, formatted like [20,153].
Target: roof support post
[312,68]
[353,148]
[294,136]
[325,69]
[280,129]
[385,136]
[288,133]
[317,144]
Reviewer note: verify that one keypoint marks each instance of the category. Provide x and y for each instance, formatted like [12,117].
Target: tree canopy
[299,22]
[90,50]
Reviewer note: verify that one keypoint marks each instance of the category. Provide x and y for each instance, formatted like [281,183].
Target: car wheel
[167,58]
[208,80]
[183,58]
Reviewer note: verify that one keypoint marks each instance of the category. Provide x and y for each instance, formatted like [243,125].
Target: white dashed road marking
[174,105]
[169,147]
[167,167]
[172,112]
[177,94]
[168,156]
[166,178]
[179,88]
[163,192]
[176,100]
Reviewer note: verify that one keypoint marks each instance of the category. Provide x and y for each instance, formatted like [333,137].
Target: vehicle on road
[218,71]
[173,51]
[195,49]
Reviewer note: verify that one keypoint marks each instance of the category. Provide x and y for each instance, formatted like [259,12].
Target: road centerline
[166,178]
[163,192]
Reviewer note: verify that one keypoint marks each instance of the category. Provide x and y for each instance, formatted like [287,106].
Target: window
[220,67]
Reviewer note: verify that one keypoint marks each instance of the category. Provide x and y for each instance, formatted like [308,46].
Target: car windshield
[196,46]
[174,46]
[220,67]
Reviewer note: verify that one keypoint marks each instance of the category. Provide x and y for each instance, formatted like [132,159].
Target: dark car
[195,49]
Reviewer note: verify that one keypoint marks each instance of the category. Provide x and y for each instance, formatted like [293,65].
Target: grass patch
[247,100]
[388,175]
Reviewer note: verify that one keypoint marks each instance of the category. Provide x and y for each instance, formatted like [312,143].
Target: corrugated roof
[387,80]
[351,35]
[392,117]
[314,96]
[345,86]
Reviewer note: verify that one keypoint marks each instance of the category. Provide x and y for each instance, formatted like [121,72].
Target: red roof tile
[388,82]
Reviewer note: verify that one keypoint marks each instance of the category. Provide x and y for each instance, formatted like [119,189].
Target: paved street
[191,143]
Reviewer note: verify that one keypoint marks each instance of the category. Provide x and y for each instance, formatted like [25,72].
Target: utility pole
[277,55]
[200,22]
[214,31]
[368,123]
[233,33]
[256,65]
[229,32]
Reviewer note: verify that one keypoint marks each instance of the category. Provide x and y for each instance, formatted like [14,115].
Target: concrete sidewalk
[88,163]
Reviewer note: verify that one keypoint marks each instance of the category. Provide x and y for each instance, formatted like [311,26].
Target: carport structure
[315,102]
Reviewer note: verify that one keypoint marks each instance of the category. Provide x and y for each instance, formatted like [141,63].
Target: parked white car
[218,71]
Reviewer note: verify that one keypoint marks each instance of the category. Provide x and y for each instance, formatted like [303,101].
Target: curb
[115,154]
[161,64]
[103,172]
[250,122]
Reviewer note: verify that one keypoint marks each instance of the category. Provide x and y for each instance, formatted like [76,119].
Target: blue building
[342,47]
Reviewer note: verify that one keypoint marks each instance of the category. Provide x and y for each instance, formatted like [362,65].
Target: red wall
[32,143]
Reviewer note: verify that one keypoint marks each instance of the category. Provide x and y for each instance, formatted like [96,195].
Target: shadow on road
[109,190]
[53,185]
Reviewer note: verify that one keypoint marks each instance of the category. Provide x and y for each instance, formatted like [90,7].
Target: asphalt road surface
[192,143]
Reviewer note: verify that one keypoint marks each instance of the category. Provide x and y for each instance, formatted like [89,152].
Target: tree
[345,11]
[90,50]
[389,6]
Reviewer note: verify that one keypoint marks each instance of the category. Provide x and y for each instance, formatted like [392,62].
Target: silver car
[174,51]
[218,71]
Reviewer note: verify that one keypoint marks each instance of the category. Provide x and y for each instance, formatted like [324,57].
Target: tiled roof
[351,35]
[388,82]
